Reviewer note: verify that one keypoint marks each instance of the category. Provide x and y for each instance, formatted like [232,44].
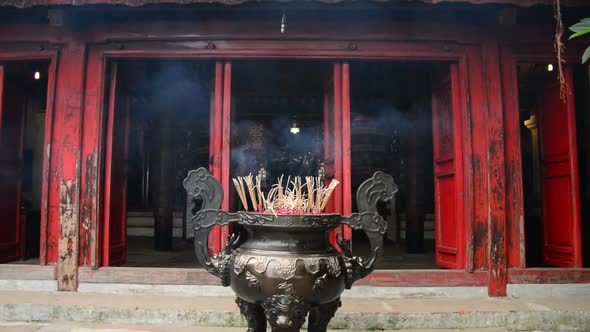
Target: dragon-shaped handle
[380,187]
[199,184]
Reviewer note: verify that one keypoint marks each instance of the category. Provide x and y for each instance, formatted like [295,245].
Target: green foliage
[581,28]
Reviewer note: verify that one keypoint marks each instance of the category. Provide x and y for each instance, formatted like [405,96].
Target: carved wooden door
[448,169]
[12,122]
[116,165]
[559,177]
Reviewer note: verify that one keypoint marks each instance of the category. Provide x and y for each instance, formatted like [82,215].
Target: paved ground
[219,313]
[71,327]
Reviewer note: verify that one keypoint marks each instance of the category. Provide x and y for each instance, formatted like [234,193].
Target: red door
[115,186]
[448,169]
[559,178]
[12,122]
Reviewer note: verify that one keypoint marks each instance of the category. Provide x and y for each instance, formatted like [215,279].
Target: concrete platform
[526,314]
[73,327]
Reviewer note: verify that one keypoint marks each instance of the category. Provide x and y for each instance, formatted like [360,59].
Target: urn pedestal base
[287,313]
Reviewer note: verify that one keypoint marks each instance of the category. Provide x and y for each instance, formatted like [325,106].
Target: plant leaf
[579,33]
[580,26]
[586,55]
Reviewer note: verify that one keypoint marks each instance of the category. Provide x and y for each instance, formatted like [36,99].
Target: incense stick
[294,197]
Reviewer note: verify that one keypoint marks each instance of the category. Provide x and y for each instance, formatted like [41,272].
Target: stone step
[93,327]
[544,314]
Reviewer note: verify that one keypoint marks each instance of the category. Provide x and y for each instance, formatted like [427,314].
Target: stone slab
[544,314]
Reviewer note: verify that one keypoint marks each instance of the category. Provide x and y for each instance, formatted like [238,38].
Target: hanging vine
[559,49]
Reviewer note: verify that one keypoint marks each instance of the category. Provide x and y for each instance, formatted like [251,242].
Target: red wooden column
[346,159]
[496,171]
[477,247]
[337,132]
[225,145]
[215,143]
[64,185]
[514,190]
[219,143]
[92,129]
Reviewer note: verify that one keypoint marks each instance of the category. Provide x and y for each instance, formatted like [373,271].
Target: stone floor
[77,327]
[209,313]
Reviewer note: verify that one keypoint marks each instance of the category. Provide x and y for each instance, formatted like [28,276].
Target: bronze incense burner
[286,268]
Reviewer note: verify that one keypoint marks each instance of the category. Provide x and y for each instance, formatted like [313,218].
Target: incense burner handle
[380,187]
[199,184]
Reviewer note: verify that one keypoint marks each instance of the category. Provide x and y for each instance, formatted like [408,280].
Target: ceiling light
[294,128]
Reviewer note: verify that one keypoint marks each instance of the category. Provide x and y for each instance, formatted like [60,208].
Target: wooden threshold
[27,272]
[549,276]
[180,276]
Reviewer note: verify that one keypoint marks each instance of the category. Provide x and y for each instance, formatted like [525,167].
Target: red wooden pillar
[93,127]
[346,158]
[215,143]
[496,171]
[219,143]
[514,191]
[337,132]
[225,145]
[477,106]
[63,200]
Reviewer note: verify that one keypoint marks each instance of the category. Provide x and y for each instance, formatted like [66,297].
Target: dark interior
[21,162]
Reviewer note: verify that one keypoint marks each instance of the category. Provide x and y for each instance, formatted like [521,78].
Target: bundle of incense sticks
[294,197]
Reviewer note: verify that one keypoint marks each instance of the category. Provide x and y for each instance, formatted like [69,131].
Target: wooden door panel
[12,122]
[559,177]
[448,170]
[116,165]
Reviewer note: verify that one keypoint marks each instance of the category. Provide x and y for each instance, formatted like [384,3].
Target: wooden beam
[226,145]
[215,145]
[148,276]
[64,185]
[425,278]
[548,276]
[27,272]
[514,184]
[92,157]
[346,153]
[496,178]
[477,111]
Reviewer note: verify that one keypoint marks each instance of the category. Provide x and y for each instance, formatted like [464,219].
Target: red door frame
[329,50]
[52,57]
[511,56]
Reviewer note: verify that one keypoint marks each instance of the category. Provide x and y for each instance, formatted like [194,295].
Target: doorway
[157,129]
[554,184]
[405,122]
[23,93]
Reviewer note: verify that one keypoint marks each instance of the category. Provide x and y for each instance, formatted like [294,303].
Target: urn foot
[320,316]
[285,312]
[254,315]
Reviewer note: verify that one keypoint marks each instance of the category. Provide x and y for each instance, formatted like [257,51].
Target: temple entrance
[157,129]
[554,143]
[273,117]
[404,121]
[23,104]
